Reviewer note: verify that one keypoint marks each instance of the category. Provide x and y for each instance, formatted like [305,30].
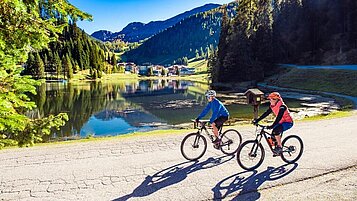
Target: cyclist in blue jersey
[220,113]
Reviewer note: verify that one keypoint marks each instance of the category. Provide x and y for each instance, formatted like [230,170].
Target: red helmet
[274,95]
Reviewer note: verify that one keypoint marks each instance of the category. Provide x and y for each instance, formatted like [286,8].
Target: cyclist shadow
[248,182]
[172,175]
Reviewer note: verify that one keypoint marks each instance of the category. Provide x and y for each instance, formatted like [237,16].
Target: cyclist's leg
[215,130]
[277,131]
[218,123]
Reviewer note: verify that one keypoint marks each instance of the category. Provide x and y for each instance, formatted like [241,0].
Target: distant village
[156,70]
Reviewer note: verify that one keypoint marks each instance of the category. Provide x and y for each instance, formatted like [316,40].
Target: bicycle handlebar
[261,126]
[201,121]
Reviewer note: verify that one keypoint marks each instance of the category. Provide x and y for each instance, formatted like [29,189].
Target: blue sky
[114,15]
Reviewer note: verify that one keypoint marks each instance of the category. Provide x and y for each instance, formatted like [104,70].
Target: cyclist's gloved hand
[197,120]
[255,122]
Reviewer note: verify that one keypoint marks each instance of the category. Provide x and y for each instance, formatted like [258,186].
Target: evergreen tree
[113,60]
[222,48]
[23,25]
[197,55]
[30,65]
[39,67]
[185,61]
[67,67]
[202,53]
[57,64]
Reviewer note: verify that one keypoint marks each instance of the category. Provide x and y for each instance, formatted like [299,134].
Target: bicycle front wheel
[230,141]
[292,149]
[193,146]
[250,155]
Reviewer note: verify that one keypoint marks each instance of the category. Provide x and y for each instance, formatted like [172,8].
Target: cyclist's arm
[282,109]
[265,114]
[205,111]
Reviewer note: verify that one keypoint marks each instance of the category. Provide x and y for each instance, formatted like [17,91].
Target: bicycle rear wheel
[230,141]
[250,155]
[193,146]
[292,149]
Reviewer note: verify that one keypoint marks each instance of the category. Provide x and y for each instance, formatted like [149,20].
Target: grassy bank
[326,80]
[333,115]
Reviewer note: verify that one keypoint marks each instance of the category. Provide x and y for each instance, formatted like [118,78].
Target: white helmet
[210,93]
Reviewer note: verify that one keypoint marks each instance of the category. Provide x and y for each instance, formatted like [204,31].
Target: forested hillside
[195,36]
[137,31]
[267,32]
[74,51]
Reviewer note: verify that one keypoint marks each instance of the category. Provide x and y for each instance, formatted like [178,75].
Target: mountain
[102,35]
[192,37]
[136,31]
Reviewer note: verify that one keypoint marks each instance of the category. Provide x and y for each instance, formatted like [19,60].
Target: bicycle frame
[261,133]
[203,127]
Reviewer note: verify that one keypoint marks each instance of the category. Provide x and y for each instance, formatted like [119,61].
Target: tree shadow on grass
[172,175]
[246,183]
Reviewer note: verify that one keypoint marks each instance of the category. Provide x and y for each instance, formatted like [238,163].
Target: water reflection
[113,108]
[96,108]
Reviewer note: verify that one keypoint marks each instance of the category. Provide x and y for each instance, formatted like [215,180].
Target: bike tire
[245,156]
[193,146]
[293,148]
[230,141]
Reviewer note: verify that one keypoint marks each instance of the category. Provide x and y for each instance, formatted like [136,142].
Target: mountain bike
[251,153]
[194,145]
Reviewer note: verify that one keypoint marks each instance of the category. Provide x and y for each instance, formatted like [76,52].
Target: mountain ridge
[194,37]
[136,31]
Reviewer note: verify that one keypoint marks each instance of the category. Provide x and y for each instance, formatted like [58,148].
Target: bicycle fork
[197,139]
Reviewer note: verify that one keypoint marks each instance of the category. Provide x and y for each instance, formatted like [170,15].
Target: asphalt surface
[152,168]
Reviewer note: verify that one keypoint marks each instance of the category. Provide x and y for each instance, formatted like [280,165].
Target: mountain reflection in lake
[101,109]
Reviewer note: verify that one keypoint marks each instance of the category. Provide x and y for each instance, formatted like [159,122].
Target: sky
[114,15]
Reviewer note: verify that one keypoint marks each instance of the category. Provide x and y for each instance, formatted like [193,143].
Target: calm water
[102,109]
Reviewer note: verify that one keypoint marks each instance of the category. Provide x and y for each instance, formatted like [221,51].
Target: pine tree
[222,48]
[58,65]
[67,66]
[113,59]
[185,61]
[30,64]
[39,67]
[23,25]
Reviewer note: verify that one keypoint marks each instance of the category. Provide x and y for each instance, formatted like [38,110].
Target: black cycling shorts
[220,120]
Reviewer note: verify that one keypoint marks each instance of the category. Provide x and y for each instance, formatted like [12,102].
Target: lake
[121,107]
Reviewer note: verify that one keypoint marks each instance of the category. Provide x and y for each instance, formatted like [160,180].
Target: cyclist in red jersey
[283,120]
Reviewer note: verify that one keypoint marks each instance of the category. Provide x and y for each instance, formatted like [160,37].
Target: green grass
[81,75]
[325,80]
[199,65]
[118,76]
[332,115]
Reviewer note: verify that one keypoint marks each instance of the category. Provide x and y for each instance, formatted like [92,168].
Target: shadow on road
[172,175]
[245,184]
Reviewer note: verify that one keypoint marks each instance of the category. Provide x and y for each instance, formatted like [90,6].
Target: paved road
[152,168]
[335,67]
